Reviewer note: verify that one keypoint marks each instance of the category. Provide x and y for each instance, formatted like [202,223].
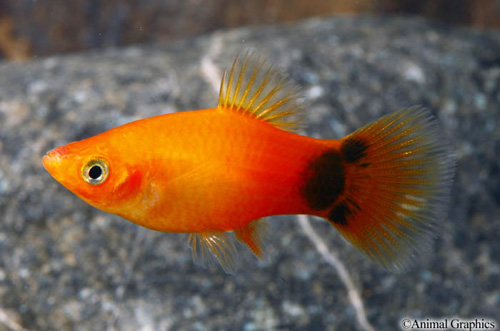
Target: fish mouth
[50,159]
[53,159]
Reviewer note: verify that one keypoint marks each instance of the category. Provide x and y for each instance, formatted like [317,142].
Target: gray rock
[66,265]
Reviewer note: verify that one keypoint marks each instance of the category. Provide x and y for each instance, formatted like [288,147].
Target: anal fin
[252,235]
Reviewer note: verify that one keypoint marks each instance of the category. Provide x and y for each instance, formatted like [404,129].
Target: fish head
[95,170]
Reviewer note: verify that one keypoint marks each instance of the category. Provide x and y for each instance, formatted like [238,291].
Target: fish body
[218,179]
[209,172]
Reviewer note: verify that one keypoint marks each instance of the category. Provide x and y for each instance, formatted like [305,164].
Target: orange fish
[212,171]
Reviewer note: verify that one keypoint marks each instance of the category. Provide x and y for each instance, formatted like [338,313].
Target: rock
[66,265]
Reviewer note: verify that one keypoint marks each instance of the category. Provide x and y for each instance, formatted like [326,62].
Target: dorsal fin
[254,87]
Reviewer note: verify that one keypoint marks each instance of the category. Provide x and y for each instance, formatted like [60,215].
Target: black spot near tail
[340,214]
[324,180]
[353,149]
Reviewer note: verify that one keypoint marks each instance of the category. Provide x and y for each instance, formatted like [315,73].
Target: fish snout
[53,158]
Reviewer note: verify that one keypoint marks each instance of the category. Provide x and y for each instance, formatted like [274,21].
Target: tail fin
[398,173]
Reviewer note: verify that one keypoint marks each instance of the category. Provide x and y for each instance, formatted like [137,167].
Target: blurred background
[68,266]
[31,28]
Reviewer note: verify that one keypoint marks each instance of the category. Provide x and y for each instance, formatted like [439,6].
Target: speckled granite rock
[66,265]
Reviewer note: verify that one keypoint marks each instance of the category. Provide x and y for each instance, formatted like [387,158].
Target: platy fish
[209,172]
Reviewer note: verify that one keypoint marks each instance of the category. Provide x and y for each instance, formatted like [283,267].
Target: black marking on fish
[353,149]
[340,214]
[324,180]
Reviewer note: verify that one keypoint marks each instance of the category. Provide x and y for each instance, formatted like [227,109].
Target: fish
[210,172]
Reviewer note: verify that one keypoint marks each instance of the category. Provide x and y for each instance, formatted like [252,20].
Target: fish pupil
[95,172]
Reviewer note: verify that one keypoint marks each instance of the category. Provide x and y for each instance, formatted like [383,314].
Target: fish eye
[95,172]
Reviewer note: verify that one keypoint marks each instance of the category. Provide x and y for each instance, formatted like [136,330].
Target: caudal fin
[398,173]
